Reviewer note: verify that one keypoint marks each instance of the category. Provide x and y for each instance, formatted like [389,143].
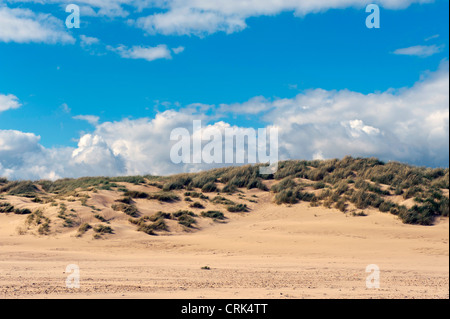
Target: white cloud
[93,157]
[422,51]
[24,26]
[95,8]
[357,127]
[88,41]
[8,102]
[409,125]
[91,119]
[255,105]
[178,50]
[432,37]
[187,21]
[147,53]
[65,108]
[203,17]
[22,157]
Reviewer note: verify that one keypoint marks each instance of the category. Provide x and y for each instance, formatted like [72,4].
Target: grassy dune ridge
[417,195]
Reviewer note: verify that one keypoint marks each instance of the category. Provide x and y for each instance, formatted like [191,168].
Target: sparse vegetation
[6,208]
[83,229]
[185,218]
[100,218]
[130,210]
[149,225]
[359,214]
[346,184]
[196,195]
[222,200]
[164,197]
[68,222]
[37,218]
[125,200]
[102,229]
[197,205]
[213,214]
[210,187]
[136,194]
[22,188]
[238,208]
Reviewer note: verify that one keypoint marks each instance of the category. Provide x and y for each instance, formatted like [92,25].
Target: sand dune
[273,251]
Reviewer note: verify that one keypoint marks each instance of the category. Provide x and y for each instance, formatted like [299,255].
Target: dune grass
[349,182]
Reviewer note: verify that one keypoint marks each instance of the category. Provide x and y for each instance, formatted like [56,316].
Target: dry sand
[271,252]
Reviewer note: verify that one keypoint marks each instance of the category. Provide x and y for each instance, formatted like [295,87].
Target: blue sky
[280,53]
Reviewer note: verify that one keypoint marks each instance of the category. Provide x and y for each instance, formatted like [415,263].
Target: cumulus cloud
[8,102]
[94,155]
[88,41]
[22,157]
[409,125]
[255,105]
[422,51]
[178,50]
[95,8]
[203,17]
[91,119]
[25,26]
[147,53]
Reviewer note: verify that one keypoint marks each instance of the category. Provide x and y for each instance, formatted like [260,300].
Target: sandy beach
[271,252]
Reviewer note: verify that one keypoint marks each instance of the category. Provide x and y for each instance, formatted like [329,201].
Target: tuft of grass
[286,183]
[238,208]
[100,218]
[210,187]
[196,195]
[158,223]
[185,218]
[125,200]
[213,214]
[24,211]
[84,228]
[164,197]
[130,210]
[183,212]
[37,218]
[287,196]
[222,200]
[6,208]
[102,229]
[20,188]
[197,205]
[360,214]
[136,194]
[342,205]
[44,229]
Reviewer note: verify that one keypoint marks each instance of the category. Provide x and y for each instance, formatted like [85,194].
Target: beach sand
[270,252]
